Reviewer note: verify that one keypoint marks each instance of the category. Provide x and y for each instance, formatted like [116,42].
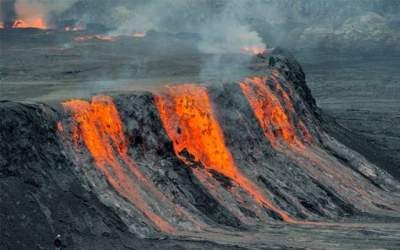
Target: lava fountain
[37,23]
[30,14]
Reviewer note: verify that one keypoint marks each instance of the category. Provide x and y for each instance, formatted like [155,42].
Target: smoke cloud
[32,12]
[7,12]
[228,33]
[226,26]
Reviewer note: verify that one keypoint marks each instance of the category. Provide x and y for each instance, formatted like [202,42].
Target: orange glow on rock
[98,125]
[188,118]
[60,127]
[286,99]
[37,23]
[269,112]
[254,50]
[139,34]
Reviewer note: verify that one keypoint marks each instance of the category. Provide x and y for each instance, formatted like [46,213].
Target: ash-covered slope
[183,160]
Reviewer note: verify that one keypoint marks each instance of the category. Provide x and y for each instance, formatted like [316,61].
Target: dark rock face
[292,188]
[150,145]
[292,72]
[51,182]
[42,195]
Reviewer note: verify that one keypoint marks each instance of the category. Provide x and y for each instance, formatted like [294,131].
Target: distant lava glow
[254,50]
[272,115]
[31,14]
[36,22]
[139,34]
[99,126]
[187,115]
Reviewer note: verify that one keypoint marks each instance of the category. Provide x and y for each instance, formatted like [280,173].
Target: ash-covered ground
[359,101]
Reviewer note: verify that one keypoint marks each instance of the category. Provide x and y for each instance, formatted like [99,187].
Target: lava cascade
[273,114]
[188,118]
[273,111]
[99,125]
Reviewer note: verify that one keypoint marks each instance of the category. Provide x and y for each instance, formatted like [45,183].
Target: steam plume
[7,12]
[31,13]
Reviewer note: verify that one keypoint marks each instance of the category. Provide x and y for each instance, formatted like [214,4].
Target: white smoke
[228,36]
[151,15]
[45,5]
[30,10]
[229,32]
[221,25]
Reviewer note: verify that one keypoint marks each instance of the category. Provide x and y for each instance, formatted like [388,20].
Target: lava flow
[99,125]
[271,114]
[188,118]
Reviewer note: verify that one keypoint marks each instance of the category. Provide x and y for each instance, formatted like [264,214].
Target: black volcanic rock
[291,187]
[42,195]
[154,148]
[288,66]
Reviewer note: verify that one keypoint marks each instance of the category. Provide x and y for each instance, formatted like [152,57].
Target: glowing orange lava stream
[188,118]
[280,130]
[264,102]
[271,114]
[99,125]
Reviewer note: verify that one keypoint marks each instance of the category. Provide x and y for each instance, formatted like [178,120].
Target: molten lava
[99,126]
[37,23]
[272,115]
[188,118]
